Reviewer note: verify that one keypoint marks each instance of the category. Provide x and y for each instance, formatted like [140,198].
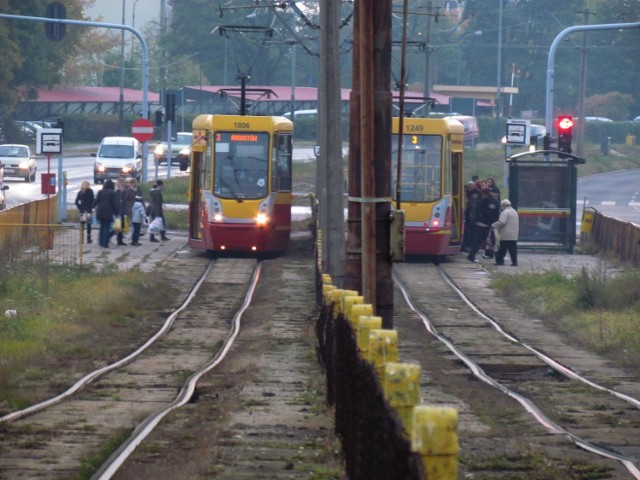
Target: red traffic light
[565,124]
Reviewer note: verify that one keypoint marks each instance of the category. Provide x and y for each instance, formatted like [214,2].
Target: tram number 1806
[241,125]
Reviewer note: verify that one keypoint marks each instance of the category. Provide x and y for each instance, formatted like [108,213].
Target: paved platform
[146,257]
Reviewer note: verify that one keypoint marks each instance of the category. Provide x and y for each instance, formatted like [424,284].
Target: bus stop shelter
[543,190]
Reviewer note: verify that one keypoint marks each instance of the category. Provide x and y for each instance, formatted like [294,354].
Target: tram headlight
[217,217]
[262,219]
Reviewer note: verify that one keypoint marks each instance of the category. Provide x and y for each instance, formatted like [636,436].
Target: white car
[597,119]
[18,161]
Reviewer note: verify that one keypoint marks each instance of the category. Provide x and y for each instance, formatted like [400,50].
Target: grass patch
[89,465]
[60,319]
[597,310]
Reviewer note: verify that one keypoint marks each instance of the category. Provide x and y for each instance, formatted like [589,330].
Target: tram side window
[281,164]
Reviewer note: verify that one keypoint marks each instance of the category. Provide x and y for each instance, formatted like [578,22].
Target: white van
[118,157]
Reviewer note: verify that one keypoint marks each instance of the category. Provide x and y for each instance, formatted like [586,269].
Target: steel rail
[96,374]
[115,461]
[526,403]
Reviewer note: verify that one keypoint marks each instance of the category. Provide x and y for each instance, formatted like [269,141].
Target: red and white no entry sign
[142,130]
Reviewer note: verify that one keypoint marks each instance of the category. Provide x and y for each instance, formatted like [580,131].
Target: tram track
[129,397]
[509,354]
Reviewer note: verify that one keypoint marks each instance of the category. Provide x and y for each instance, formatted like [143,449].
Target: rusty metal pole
[370,158]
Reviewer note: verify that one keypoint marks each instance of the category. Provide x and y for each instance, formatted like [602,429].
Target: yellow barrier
[434,437]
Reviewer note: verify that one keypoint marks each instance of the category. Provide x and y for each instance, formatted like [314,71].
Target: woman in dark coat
[84,202]
[106,208]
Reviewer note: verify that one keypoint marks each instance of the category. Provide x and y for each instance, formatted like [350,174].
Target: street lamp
[133,23]
[499,74]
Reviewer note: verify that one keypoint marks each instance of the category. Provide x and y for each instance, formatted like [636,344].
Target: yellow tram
[431,182]
[240,185]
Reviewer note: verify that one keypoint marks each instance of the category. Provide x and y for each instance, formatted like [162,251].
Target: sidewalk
[146,257]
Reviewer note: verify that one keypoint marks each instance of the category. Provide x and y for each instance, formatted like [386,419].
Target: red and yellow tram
[240,185]
[431,182]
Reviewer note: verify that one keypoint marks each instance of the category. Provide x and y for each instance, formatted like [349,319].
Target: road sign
[142,130]
[518,132]
[49,141]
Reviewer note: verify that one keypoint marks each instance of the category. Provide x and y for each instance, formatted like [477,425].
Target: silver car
[18,161]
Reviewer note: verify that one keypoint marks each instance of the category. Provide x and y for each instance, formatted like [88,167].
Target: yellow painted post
[336,295]
[326,279]
[350,302]
[434,437]
[365,324]
[383,349]
[345,294]
[402,390]
[357,311]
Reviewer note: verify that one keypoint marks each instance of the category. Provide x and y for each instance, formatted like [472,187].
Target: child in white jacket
[138,215]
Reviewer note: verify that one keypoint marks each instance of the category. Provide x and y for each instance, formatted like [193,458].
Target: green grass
[595,309]
[60,317]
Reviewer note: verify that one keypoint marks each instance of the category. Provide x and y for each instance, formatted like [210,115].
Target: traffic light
[158,119]
[55,31]
[565,129]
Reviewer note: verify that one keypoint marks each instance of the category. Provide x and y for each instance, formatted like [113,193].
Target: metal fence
[617,237]
[27,235]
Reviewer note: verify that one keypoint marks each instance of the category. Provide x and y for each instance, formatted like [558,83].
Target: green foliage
[28,59]
[613,105]
[597,309]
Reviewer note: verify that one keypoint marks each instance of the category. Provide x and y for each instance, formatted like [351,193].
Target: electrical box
[397,235]
[48,183]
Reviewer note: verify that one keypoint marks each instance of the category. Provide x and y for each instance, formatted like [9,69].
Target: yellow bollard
[326,293]
[383,349]
[350,302]
[357,311]
[326,279]
[336,295]
[365,324]
[435,438]
[402,390]
[345,294]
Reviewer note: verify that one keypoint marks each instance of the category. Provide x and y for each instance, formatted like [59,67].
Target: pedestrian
[121,189]
[138,216]
[155,209]
[508,229]
[106,206]
[471,209]
[493,187]
[84,202]
[488,213]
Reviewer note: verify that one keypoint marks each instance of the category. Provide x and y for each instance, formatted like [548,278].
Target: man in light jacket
[508,228]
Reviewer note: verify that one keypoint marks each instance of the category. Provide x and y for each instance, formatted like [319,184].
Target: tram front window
[241,163]
[421,167]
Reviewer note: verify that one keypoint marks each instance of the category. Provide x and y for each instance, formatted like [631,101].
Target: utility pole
[330,176]
[582,88]
[368,262]
[428,52]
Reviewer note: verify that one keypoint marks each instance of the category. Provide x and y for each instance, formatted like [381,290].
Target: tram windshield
[421,168]
[241,164]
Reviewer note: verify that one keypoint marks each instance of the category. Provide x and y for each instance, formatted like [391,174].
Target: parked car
[637,119]
[3,188]
[18,161]
[597,119]
[180,150]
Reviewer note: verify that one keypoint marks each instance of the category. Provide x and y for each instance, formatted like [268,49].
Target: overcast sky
[111,10]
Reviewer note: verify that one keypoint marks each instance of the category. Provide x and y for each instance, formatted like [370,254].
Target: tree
[29,60]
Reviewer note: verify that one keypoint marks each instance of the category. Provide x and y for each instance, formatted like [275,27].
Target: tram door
[457,189]
[199,181]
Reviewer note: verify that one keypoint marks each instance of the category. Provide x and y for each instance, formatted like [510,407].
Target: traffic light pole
[552,57]
[145,62]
